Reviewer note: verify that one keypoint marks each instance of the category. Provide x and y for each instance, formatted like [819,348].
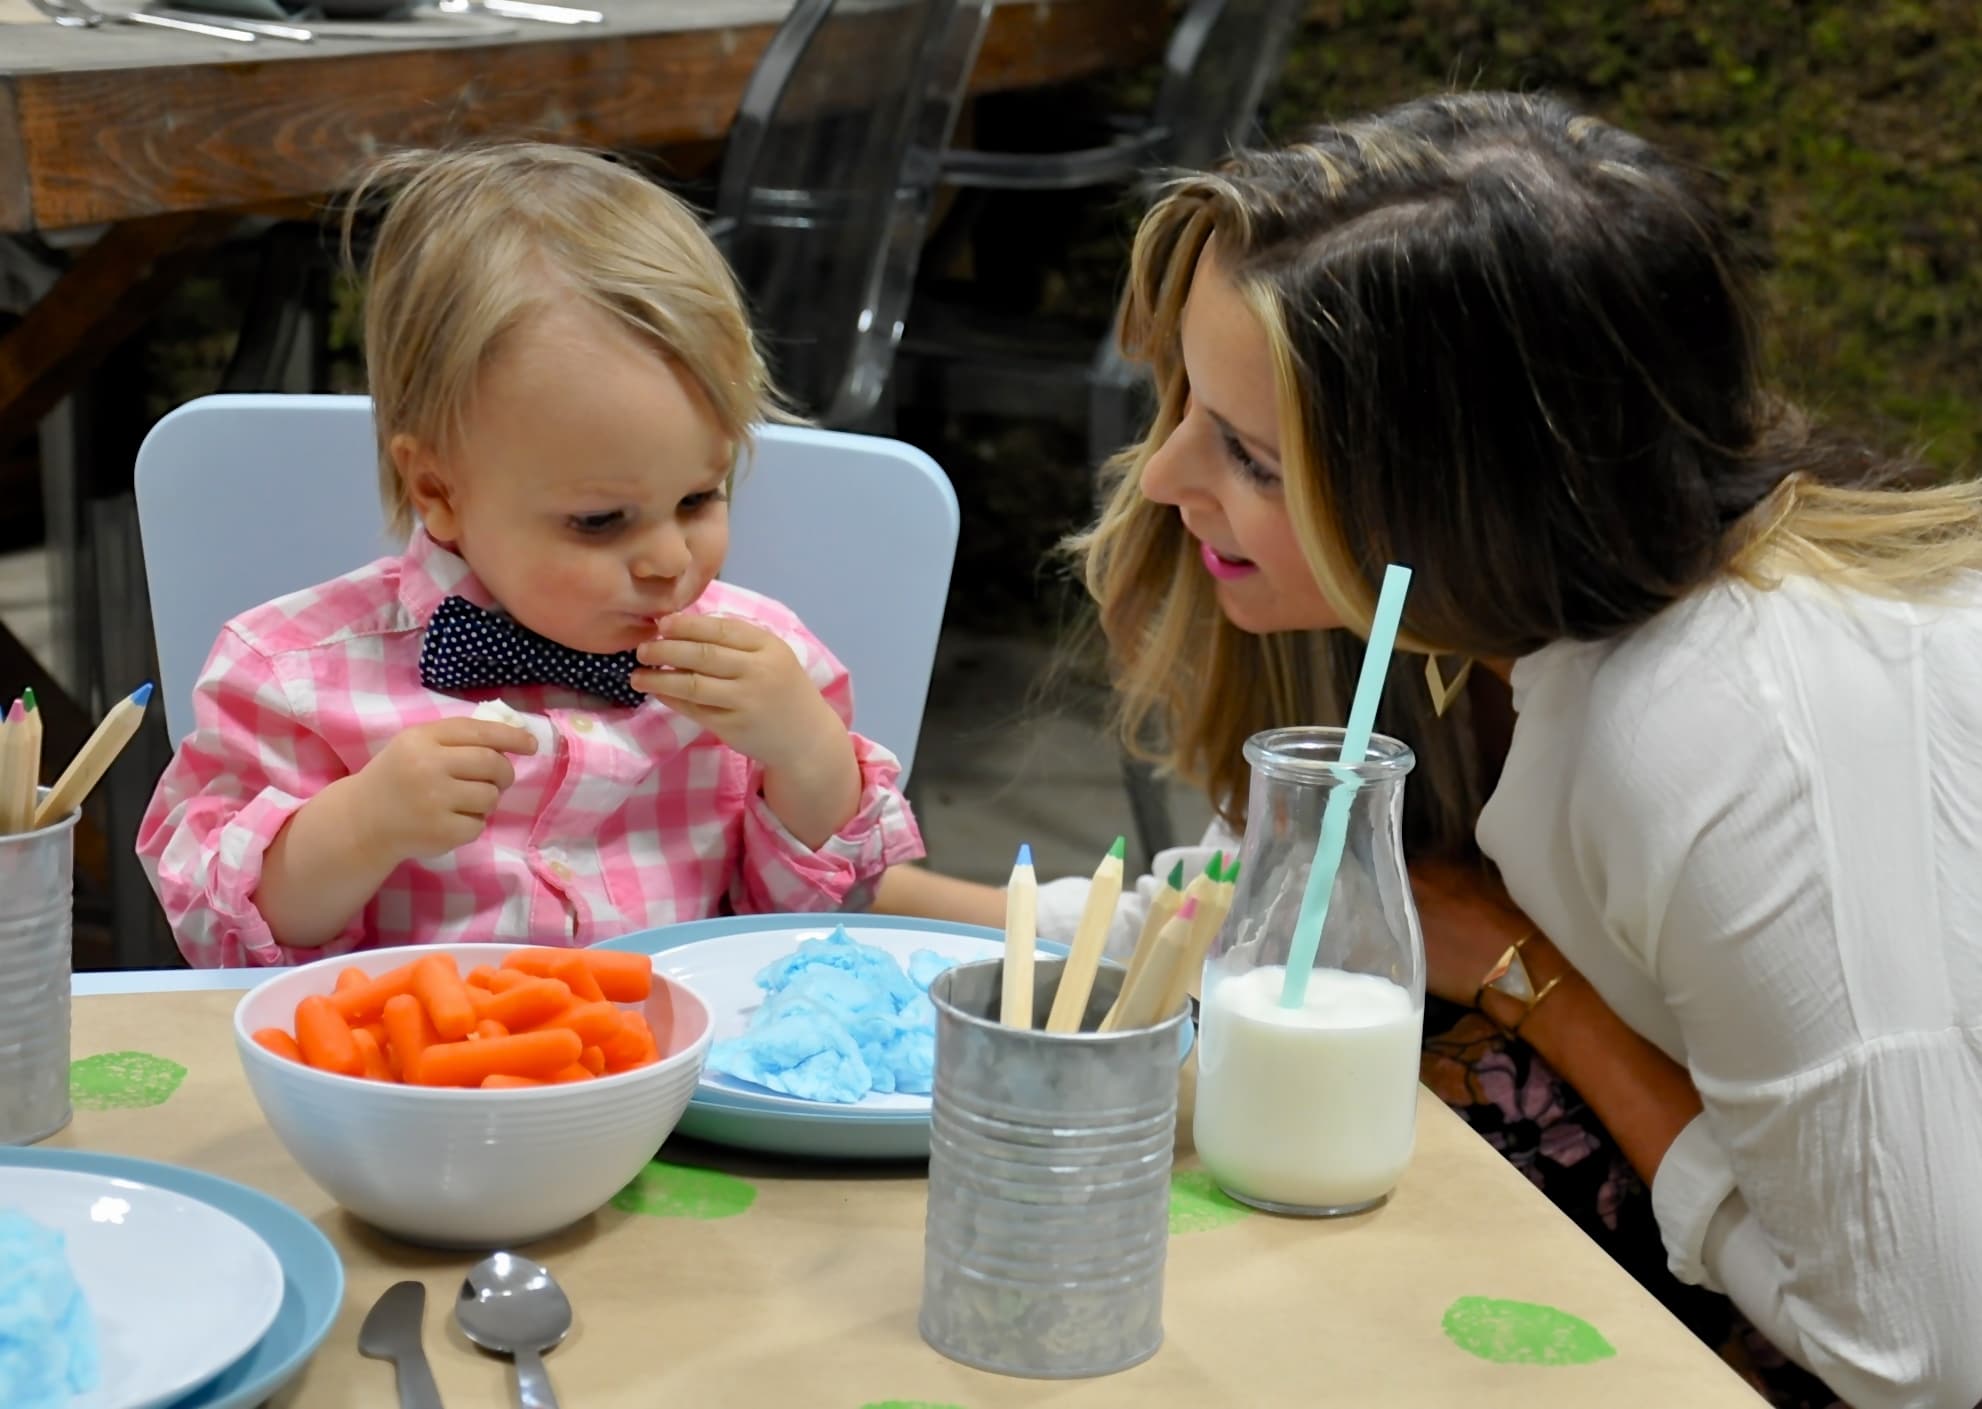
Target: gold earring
[1444,692]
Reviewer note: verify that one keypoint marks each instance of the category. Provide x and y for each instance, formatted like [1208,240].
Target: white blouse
[1755,824]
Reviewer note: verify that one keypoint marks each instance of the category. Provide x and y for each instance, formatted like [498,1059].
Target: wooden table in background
[806,1295]
[168,136]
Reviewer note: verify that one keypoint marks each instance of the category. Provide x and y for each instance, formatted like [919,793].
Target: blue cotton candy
[841,1020]
[48,1348]
[925,964]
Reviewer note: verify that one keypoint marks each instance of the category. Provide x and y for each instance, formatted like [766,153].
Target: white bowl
[467,1168]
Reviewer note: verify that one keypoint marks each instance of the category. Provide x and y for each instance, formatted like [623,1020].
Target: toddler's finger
[702,657]
[729,631]
[688,688]
[486,734]
[480,765]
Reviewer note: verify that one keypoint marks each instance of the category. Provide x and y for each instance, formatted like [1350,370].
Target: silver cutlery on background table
[268,29]
[392,1331]
[522,10]
[80,14]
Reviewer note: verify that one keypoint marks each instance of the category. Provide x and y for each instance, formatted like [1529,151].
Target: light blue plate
[724,1114]
[312,1276]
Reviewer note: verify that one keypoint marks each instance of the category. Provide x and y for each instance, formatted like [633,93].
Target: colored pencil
[30,778]
[1084,958]
[1143,1004]
[13,766]
[1161,912]
[94,758]
[1021,940]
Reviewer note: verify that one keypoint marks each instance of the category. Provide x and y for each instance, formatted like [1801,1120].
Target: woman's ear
[428,487]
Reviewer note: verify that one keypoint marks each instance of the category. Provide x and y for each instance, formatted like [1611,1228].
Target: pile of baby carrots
[545,1017]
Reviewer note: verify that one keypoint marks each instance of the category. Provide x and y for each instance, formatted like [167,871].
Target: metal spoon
[514,1307]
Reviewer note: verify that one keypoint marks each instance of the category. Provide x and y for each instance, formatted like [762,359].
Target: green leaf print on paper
[1198,1205]
[664,1190]
[1523,1333]
[123,1081]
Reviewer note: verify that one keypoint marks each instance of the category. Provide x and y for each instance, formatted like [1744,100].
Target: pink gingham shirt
[623,818]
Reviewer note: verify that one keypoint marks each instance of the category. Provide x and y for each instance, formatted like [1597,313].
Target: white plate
[724,973]
[178,1289]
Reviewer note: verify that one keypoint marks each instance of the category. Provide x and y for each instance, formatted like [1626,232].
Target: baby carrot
[566,965]
[577,1071]
[535,961]
[354,977]
[506,979]
[499,1082]
[626,1046]
[480,976]
[375,1065]
[280,1043]
[364,1004]
[523,1054]
[489,1027]
[409,1032]
[593,1060]
[376,1027]
[529,1003]
[571,969]
[596,1023]
[325,1038]
[438,986]
[622,978]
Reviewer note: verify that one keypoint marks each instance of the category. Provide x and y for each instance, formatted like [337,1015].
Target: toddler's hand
[745,685]
[433,787]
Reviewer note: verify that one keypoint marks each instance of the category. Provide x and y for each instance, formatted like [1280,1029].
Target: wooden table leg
[101,300]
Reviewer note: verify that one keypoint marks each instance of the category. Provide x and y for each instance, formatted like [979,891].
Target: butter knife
[268,29]
[392,1331]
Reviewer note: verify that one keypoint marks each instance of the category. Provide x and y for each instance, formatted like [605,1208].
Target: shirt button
[582,723]
[560,870]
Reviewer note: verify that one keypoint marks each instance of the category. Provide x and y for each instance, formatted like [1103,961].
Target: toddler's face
[587,490]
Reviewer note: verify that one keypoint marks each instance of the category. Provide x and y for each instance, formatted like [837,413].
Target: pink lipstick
[1223,568]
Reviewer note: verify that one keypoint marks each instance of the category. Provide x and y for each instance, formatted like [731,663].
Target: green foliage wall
[1850,136]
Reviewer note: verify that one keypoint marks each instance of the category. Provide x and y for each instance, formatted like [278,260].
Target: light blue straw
[1335,816]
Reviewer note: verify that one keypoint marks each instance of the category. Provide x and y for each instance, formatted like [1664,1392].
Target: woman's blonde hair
[1513,350]
[473,241]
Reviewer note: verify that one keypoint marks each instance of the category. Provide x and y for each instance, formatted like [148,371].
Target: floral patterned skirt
[1517,1103]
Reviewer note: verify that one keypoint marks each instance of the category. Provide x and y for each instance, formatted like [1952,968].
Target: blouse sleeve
[1829,1187]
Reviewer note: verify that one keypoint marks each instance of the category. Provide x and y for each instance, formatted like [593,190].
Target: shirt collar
[430,573]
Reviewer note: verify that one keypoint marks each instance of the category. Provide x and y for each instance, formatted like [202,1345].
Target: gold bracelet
[1509,977]
[1522,1021]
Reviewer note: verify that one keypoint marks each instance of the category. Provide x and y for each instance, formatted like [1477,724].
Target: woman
[1737,826]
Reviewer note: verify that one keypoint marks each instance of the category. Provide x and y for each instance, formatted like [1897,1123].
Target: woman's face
[1220,468]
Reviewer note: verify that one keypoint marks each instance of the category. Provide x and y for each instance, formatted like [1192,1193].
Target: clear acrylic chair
[827,183]
[1221,61]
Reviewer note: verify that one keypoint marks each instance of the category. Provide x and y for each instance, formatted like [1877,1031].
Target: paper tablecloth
[724,1280]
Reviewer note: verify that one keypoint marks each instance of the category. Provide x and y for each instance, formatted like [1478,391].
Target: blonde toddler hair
[474,241]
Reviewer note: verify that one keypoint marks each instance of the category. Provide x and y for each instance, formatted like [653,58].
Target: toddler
[546,720]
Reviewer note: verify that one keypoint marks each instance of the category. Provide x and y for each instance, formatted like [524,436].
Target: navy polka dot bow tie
[472,648]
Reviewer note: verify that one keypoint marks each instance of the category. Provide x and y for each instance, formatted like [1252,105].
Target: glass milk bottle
[1312,1110]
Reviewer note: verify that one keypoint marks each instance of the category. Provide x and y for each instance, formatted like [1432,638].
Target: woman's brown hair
[1513,350]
